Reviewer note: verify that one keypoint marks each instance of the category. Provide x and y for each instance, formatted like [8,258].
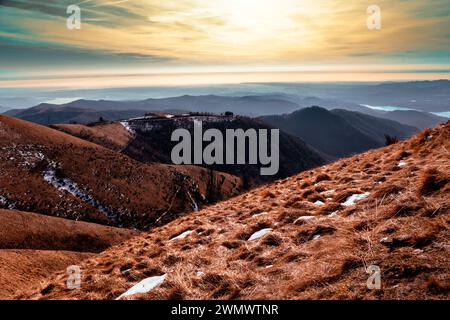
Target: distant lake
[385,108]
[445,114]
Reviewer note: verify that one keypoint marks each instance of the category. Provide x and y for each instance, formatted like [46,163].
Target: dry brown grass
[432,181]
[398,228]
[26,230]
[24,268]
[113,136]
[135,194]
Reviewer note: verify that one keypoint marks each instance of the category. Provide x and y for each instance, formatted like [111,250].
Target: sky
[142,42]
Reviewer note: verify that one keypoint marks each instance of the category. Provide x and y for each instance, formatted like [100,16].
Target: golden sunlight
[255,20]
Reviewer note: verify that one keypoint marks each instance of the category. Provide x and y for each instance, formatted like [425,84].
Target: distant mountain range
[427,96]
[86,111]
[423,95]
[51,114]
[335,132]
[339,132]
[413,118]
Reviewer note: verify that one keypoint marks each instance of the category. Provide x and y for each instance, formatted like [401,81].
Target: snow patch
[127,126]
[200,274]
[259,214]
[62,183]
[2,201]
[182,235]
[141,118]
[317,236]
[355,198]
[319,203]
[126,271]
[259,234]
[193,203]
[334,213]
[304,218]
[65,184]
[144,286]
[386,240]
[327,193]
[401,164]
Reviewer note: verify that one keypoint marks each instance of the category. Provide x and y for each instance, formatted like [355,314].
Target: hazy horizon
[410,96]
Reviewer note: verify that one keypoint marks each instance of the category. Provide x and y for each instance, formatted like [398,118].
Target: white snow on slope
[304,218]
[141,118]
[193,203]
[318,203]
[68,185]
[259,214]
[62,183]
[182,235]
[355,198]
[328,192]
[259,234]
[31,155]
[2,201]
[402,164]
[144,286]
[127,126]
[334,213]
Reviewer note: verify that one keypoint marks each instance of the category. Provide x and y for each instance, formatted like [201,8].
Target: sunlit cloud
[181,34]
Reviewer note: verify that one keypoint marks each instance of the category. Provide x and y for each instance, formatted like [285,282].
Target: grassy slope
[402,227]
[135,193]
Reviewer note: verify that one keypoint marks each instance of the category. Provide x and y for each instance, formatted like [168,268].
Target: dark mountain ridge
[339,132]
[152,143]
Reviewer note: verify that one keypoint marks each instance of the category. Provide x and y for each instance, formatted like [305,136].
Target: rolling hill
[315,235]
[86,111]
[339,132]
[46,171]
[112,135]
[33,246]
[50,114]
[26,230]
